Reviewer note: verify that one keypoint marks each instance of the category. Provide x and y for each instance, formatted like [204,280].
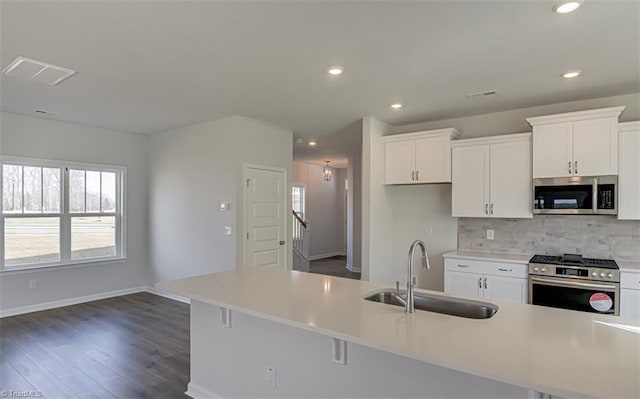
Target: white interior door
[265,217]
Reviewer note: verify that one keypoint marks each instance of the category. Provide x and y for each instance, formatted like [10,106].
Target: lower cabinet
[486,280]
[630,295]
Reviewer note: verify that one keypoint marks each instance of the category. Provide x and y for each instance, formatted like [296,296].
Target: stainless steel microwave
[588,195]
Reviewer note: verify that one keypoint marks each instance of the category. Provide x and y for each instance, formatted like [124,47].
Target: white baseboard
[69,301]
[327,255]
[197,392]
[353,269]
[165,294]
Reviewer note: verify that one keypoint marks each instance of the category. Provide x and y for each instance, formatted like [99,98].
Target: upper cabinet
[492,177]
[581,143]
[629,175]
[418,158]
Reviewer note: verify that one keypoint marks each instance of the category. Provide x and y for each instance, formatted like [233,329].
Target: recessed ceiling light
[312,143]
[396,106]
[565,7]
[335,70]
[571,74]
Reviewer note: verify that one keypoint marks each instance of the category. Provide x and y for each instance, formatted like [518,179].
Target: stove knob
[535,269]
[543,270]
[594,274]
[610,275]
[602,274]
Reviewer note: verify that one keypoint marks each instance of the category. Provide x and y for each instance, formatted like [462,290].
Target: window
[297,200]
[57,213]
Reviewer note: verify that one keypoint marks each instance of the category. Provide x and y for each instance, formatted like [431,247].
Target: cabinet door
[463,284]
[506,289]
[510,180]
[399,162]
[553,150]
[629,176]
[595,147]
[433,160]
[630,303]
[470,181]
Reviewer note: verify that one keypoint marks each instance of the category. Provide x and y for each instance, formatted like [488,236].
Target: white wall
[195,168]
[324,209]
[514,121]
[394,216]
[46,139]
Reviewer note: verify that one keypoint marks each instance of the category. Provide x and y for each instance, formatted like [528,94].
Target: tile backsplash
[592,236]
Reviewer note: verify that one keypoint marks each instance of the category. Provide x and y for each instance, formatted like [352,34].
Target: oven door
[575,294]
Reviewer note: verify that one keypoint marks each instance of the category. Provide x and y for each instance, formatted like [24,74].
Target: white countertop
[555,351]
[490,256]
[632,267]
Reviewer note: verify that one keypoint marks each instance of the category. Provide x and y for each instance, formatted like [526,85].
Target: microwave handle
[594,195]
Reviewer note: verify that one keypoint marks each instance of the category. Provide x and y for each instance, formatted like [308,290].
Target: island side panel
[234,362]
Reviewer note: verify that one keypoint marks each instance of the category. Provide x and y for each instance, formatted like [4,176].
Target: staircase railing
[299,233]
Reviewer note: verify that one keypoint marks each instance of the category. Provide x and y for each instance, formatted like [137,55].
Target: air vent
[37,71]
[482,93]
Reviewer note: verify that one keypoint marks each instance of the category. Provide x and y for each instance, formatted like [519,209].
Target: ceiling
[151,66]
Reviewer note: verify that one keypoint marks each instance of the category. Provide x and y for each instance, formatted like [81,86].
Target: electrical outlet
[490,234]
[33,284]
[227,230]
[429,231]
[225,206]
[271,375]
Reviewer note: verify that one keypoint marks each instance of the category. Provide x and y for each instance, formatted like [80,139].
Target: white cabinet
[629,171]
[630,295]
[485,279]
[581,143]
[418,158]
[491,177]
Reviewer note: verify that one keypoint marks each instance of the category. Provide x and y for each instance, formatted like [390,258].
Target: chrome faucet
[411,279]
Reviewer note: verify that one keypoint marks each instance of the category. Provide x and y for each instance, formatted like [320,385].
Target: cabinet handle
[486,209]
[492,209]
[485,283]
[480,282]
[575,171]
[505,270]
[463,265]
[569,167]
[413,175]
[417,175]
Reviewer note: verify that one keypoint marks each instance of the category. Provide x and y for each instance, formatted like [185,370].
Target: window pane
[31,240]
[76,188]
[51,193]
[93,237]
[108,192]
[32,189]
[93,191]
[11,189]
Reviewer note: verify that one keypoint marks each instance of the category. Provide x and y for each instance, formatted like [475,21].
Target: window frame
[65,215]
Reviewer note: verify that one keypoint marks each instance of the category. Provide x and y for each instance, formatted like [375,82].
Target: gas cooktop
[574,260]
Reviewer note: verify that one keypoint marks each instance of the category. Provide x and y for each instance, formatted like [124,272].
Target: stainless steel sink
[439,304]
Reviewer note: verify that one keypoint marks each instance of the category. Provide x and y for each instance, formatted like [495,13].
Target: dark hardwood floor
[334,266]
[133,346]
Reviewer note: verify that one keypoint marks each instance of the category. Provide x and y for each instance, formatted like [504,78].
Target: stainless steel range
[573,282]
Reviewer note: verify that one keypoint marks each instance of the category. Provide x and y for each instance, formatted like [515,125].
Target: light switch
[224,206]
[490,234]
[227,230]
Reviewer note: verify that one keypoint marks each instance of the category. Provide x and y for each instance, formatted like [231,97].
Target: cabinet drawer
[487,267]
[630,280]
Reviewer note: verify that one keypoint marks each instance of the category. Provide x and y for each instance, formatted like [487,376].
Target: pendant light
[326,172]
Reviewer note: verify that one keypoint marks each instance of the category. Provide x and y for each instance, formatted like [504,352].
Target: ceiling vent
[37,71]
[482,93]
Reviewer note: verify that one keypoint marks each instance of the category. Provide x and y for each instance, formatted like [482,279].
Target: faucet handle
[413,281]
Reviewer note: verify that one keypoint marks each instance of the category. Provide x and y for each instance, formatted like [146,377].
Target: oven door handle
[576,284]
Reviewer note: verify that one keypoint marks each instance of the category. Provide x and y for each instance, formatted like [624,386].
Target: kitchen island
[269,332]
